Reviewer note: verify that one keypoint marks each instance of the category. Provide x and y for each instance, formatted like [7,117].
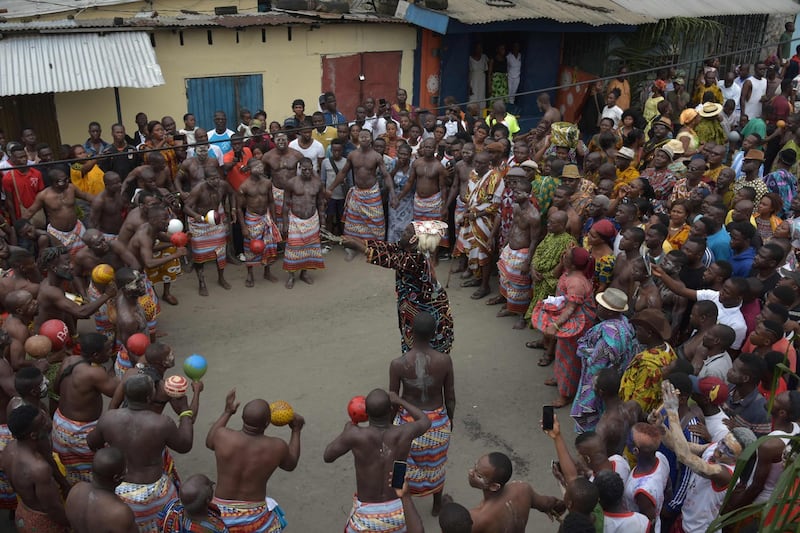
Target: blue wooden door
[223,93]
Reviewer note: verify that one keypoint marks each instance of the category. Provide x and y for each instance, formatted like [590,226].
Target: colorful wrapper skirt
[102,320]
[303,250]
[122,362]
[69,442]
[383,517]
[260,227]
[363,214]
[430,208]
[248,517]
[29,521]
[72,239]
[428,456]
[147,501]
[169,271]
[515,286]
[463,233]
[208,242]
[277,194]
[8,498]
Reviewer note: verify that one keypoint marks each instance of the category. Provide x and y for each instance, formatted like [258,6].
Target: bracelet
[187,412]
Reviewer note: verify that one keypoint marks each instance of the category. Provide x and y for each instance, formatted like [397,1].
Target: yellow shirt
[327,135]
[91,183]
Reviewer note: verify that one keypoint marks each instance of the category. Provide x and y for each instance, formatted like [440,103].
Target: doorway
[354,77]
[223,93]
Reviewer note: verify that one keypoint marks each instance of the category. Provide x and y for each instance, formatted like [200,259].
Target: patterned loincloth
[248,517]
[150,304]
[463,233]
[363,214]
[515,286]
[169,271]
[111,236]
[122,362]
[260,227]
[303,250]
[72,239]
[147,500]
[428,456]
[102,320]
[177,520]
[383,517]
[208,242]
[29,521]
[430,208]
[8,498]
[69,442]
[277,194]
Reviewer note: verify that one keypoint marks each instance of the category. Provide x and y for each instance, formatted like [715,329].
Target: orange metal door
[352,78]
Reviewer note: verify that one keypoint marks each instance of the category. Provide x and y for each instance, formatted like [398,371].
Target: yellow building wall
[290,69]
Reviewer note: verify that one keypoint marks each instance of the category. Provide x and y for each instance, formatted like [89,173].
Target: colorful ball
[55,330]
[38,346]
[257,246]
[103,274]
[176,386]
[174,226]
[281,413]
[781,123]
[357,409]
[138,343]
[195,367]
[179,239]
[212,217]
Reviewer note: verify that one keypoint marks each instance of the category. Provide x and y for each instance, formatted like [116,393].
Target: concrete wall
[290,69]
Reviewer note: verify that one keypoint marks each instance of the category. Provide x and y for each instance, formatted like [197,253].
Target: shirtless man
[375,448]
[40,505]
[109,207]
[82,381]
[99,250]
[192,170]
[143,449]
[426,377]
[304,199]
[22,308]
[23,274]
[515,258]
[629,247]
[647,294]
[53,301]
[146,179]
[131,316]
[505,504]
[618,417]
[702,318]
[281,166]
[561,202]
[209,240]
[246,460]
[137,216]
[459,192]
[255,195]
[163,176]
[363,212]
[92,506]
[428,178]
[58,202]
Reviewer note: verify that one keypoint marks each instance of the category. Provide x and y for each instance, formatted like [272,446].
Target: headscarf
[605,229]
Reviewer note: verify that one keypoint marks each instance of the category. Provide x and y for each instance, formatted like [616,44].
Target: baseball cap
[712,388]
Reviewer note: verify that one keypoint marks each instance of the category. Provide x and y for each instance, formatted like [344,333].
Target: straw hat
[613,300]
[625,153]
[711,109]
[688,115]
[570,172]
[676,146]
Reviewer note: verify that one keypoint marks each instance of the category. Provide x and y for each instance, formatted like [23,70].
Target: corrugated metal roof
[30,8]
[36,64]
[593,12]
[709,8]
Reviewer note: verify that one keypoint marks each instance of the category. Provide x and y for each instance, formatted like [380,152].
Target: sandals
[535,345]
[545,361]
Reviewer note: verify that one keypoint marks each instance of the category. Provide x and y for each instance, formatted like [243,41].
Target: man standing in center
[281,165]
[304,199]
[426,377]
[363,212]
[256,196]
[376,506]
[246,459]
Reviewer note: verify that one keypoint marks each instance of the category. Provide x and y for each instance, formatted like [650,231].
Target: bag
[39,219]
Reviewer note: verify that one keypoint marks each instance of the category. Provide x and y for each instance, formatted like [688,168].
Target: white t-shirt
[621,467]
[716,366]
[734,92]
[189,135]
[614,113]
[375,124]
[776,469]
[730,316]
[703,500]
[628,522]
[715,424]
[652,484]
[213,151]
[315,152]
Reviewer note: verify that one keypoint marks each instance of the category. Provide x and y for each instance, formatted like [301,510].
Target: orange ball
[38,346]
[138,343]
[257,246]
[179,239]
[781,124]
[357,409]
[281,413]
[103,274]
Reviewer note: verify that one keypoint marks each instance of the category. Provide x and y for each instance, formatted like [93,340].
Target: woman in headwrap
[656,96]
[563,319]
[602,260]
[687,135]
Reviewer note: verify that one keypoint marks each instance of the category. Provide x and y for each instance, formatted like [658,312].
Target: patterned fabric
[683,190]
[624,177]
[71,240]
[430,208]
[402,215]
[679,237]
[642,379]
[8,498]
[248,517]
[363,213]
[766,227]
[784,183]
[69,442]
[543,190]
[169,271]
[176,521]
[546,257]
[122,361]
[147,500]
[260,227]
[499,85]
[506,216]
[428,456]
[208,242]
[102,321]
[610,344]
[418,291]
[710,130]
[757,184]
[604,269]
[485,197]
[29,521]
[515,286]
[662,181]
[383,517]
[464,233]
[277,194]
[169,155]
[303,250]
[150,304]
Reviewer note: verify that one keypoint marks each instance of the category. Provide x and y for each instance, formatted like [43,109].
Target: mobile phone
[399,474]
[382,101]
[547,417]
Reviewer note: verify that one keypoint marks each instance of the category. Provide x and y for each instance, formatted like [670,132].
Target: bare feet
[520,324]
[224,284]
[249,281]
[203,290]
[474,282]
[504,312]
[497,300]
[290,282]
[480,293]
[269,276]
[304,276]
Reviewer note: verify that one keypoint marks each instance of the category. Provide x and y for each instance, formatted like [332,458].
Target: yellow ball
[781,124]
[103,274]
[282,413]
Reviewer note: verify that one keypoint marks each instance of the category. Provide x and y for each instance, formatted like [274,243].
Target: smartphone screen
[399,474]
[547,417]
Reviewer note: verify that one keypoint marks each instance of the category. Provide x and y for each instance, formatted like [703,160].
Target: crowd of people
[656,261]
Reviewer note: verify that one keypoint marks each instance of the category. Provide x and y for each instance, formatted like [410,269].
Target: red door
[343,76]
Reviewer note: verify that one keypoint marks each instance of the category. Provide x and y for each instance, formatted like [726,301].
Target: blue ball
[195,367]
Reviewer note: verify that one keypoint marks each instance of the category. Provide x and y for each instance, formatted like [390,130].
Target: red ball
[138,343]
[257,246]
[357,409]
[179,239]
[56,331]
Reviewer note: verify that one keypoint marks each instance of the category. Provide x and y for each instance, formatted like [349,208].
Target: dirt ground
[317,346]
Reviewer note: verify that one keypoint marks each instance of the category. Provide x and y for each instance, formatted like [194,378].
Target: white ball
[211,217]
[734,136]
[174,226]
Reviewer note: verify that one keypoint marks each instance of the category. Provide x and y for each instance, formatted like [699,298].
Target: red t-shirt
[29,183]
[235,176]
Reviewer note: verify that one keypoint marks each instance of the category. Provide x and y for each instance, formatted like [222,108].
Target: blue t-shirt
[743,262]
[226,137]
[720,245]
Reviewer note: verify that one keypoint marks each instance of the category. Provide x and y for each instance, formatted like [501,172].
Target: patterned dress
[642,379]
[418,291]
[784,184]
[402,215]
